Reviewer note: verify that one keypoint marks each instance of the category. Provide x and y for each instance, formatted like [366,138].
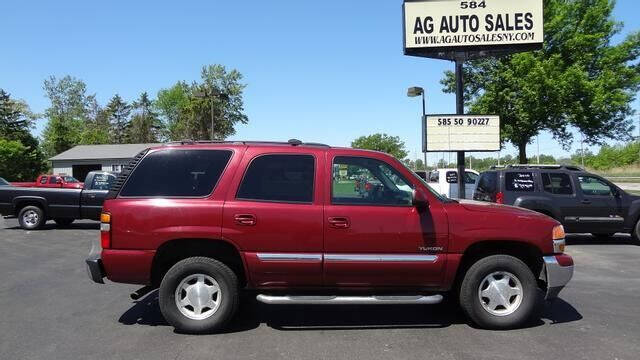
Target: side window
[175,172]
[470,178]
[102,181]
[519,181]
[53,179]
[365,181]
[43,180]
[434,176]
[283,178]
[557,184]
[452,177]
[593,186]
[488,182]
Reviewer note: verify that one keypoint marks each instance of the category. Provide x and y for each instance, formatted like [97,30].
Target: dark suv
[581,201]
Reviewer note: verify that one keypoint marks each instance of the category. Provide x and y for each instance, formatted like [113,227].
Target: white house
[81,159]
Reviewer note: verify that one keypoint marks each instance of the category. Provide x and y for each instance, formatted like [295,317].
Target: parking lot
[51,310]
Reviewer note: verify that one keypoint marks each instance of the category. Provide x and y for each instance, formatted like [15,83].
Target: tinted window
[470,178]
[452,177]
[285,178]
[365,181]
[519,181]
[434,176]
[593,186]
[556,183]
[71,179]
[488,183]
[43,180]
[173,172]
[102,181]
[53,180]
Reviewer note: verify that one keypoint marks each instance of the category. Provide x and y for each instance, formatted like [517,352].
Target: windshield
[70,179]
[3,182]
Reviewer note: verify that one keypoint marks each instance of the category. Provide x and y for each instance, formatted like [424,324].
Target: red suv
[203,221]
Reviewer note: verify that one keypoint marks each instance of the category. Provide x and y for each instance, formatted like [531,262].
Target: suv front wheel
[499,292]
[198,295]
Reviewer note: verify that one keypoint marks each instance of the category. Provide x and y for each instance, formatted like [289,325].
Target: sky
[323,71]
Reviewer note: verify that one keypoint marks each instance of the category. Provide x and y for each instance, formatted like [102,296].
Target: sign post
[463,30]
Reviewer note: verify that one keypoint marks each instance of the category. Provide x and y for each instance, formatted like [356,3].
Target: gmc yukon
[204,221]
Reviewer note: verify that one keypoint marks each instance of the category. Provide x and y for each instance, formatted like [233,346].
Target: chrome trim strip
[349,300]
[289,257]
[380,258]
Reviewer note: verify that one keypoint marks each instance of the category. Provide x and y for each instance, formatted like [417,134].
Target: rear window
[280,178]
[488,183]
[102,181]
[519,181]
[557,183]
[180,173]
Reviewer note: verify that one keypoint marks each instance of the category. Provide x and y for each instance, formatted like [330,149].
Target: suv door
[559,187]
[599,211]
[378,238]
[94,193]
[275,216]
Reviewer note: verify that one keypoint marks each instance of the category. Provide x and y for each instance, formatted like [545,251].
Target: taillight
[105,230]
[500,198]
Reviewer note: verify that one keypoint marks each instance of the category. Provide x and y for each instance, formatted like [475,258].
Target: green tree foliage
[578,80]
[186,109]
[67,114]
[20,155]
[118,112]
[382,142]
[610,156]
[145,126]
[96,128]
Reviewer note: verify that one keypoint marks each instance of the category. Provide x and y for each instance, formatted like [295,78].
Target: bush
[18,162]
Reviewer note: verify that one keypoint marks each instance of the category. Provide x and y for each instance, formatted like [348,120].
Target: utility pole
[460,111]
[538,141]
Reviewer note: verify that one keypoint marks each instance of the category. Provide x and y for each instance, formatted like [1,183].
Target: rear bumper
[95,269]
[558,271]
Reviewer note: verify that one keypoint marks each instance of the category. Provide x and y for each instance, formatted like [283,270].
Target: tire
[491,273]
[31,217]
[63,221]
[187,274]
[635,233]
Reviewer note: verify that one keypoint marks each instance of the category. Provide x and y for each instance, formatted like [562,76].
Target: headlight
[558,239]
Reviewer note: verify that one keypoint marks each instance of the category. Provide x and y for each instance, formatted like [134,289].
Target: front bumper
[558,271]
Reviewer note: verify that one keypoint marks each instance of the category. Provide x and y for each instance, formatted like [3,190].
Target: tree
[20,155]
[97,128]
[578,80]
[118,112]
[145,126]
[382,142]
[67,114]
[186,109]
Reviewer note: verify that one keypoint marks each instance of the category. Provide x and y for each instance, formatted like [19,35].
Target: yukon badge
[430,249]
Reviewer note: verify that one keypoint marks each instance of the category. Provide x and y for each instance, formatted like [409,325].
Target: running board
[350,300]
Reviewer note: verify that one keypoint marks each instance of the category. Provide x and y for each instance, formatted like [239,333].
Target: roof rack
[292,142]
[544,166]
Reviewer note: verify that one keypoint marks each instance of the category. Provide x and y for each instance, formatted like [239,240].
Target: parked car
[581,201]
[4,182]
[35,205]
[52,181]
[205,221]
[445,181]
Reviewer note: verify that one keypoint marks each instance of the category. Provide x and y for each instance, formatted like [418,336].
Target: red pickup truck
[203,221]
[52,181]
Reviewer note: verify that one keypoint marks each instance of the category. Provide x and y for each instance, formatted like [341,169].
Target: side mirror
[419,199]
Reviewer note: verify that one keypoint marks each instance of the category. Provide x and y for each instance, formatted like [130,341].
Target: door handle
[91,196]
[245,219]
[586,202]
[339,222]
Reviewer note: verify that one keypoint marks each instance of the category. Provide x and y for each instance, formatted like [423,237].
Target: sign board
[439,28]
[461,133]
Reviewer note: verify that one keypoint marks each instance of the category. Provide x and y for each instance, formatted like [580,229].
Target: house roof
[95,152]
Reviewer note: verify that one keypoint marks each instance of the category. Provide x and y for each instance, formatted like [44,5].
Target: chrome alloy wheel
[198,296]
[30,218]
[500,293]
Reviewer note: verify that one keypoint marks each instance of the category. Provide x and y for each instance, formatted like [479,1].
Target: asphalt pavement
[49,309]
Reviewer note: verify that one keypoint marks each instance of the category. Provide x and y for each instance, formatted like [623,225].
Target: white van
[445,181]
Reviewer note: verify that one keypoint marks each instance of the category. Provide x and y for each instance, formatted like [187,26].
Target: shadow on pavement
[588,239]
[252,313]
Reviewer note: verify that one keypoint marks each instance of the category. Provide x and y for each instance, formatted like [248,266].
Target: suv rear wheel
[199,295]
[635,234]
[499,292]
